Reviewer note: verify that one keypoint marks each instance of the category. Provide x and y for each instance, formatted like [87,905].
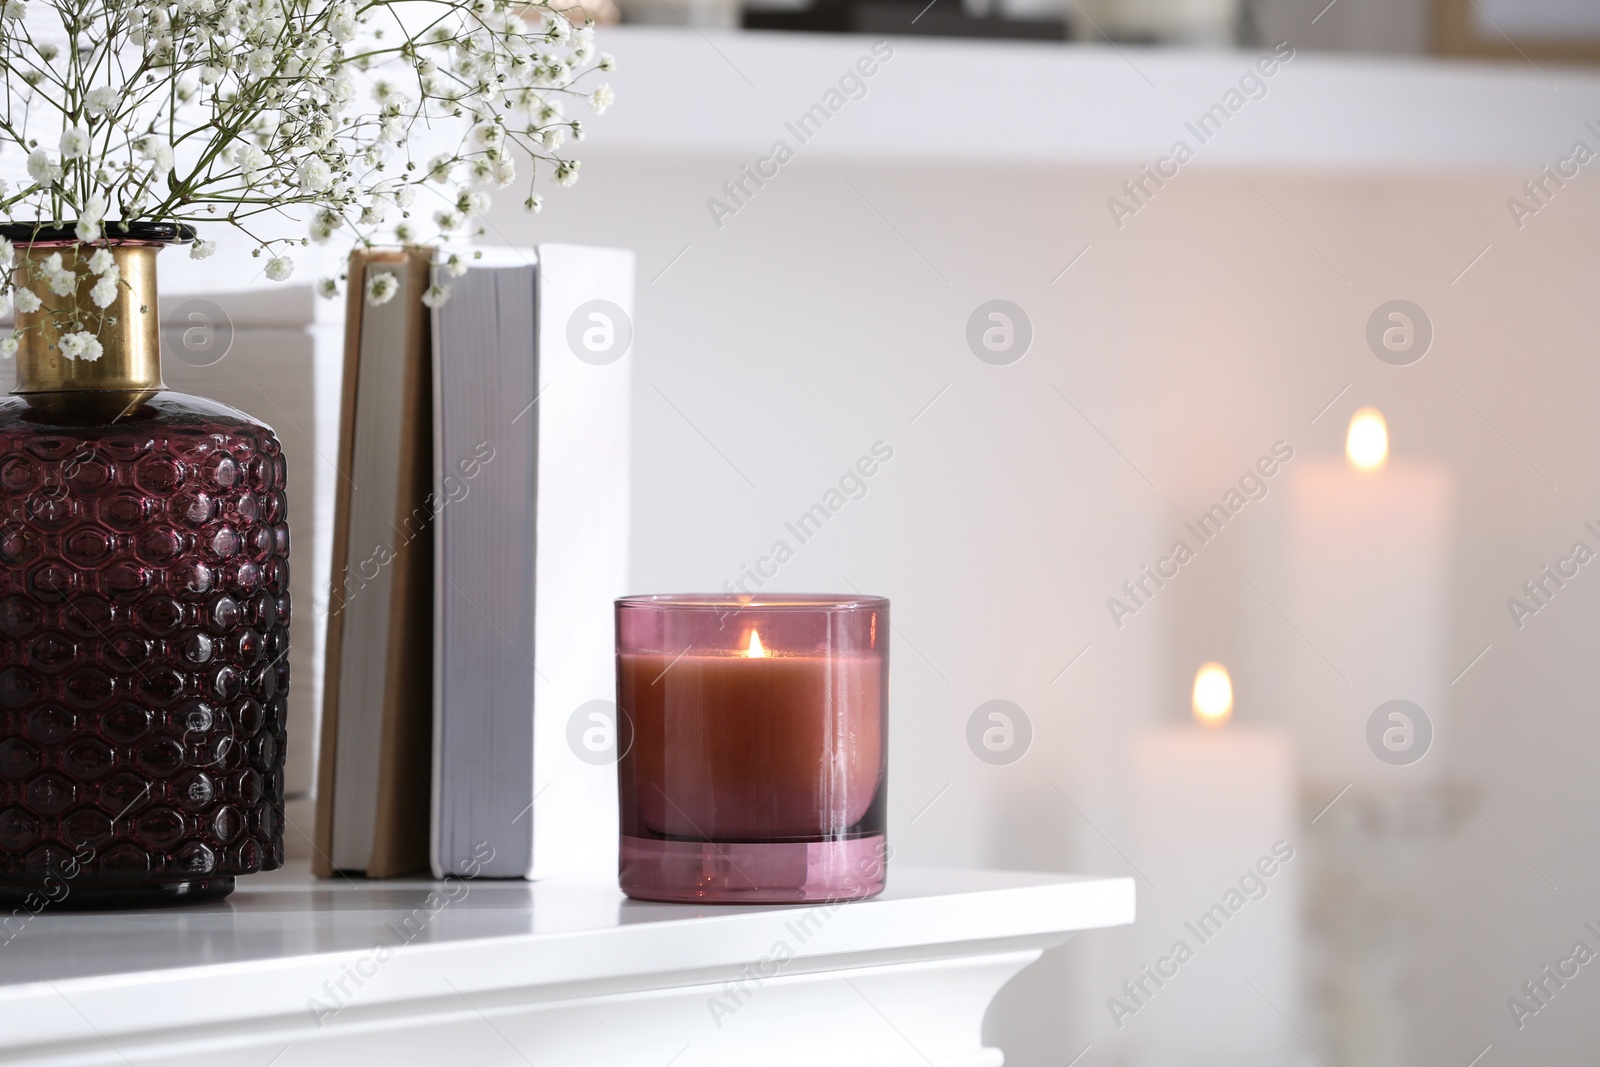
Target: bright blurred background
[1228,314]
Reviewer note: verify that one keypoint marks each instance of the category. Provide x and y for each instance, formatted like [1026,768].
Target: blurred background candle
[1368,567]
[753,736]
[1213,809]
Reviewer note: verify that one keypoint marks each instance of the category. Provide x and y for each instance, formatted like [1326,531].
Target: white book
[531,467]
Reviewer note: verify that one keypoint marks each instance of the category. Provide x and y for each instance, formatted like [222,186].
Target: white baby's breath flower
[102,261]
[27,301]
[250,160]
[608,62]
[261,62]
[342,23]
[534,204]
[104,292]
[8,347]
[328,288]
[274,121]
[202,249]
[324,225]
[405,233]
[5,304]
[90,217]
[61,282]
[43,169]
[101,101]
[382,287]
[155,150]
[314,174]
[454,265]
[436,296]
[81,345]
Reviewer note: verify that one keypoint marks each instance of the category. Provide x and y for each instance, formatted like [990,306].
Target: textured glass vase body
[144,612]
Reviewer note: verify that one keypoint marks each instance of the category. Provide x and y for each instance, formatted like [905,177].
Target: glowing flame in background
[1213,695]
[1367,443]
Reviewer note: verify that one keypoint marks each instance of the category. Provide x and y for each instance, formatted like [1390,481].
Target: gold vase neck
[128,329]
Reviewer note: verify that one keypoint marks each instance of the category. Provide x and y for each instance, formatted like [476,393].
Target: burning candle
[752,732]
[1213,830]
[1368,587]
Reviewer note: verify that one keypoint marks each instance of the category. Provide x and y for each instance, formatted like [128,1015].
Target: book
[372,795]
[531,376]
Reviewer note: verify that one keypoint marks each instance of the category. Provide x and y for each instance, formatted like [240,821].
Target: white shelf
[558,969]
[688,92]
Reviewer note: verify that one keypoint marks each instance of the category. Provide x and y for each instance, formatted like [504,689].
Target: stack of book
[480,536]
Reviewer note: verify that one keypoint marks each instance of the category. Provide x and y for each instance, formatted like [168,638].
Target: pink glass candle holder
[753,733]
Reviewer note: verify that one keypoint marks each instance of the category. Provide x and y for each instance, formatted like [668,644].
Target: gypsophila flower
[74,142]
[42,169]
[61,280]
[90,217]
[104,292]
[342,23]
[101,101]
[454,265]
[328,288]
[8,347]
[81,344]
[382,287]
[155,151]
[243,111]
[314,175]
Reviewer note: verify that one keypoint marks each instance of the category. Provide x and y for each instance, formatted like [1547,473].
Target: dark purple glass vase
[144,611]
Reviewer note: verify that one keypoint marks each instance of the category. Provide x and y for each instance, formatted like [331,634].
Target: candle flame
[756,650]
[1367,444]
[1213,695]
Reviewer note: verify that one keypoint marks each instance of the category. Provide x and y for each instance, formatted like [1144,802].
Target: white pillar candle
[1213,821]
[1368,571]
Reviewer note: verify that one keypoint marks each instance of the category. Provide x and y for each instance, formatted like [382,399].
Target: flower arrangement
[188,112]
